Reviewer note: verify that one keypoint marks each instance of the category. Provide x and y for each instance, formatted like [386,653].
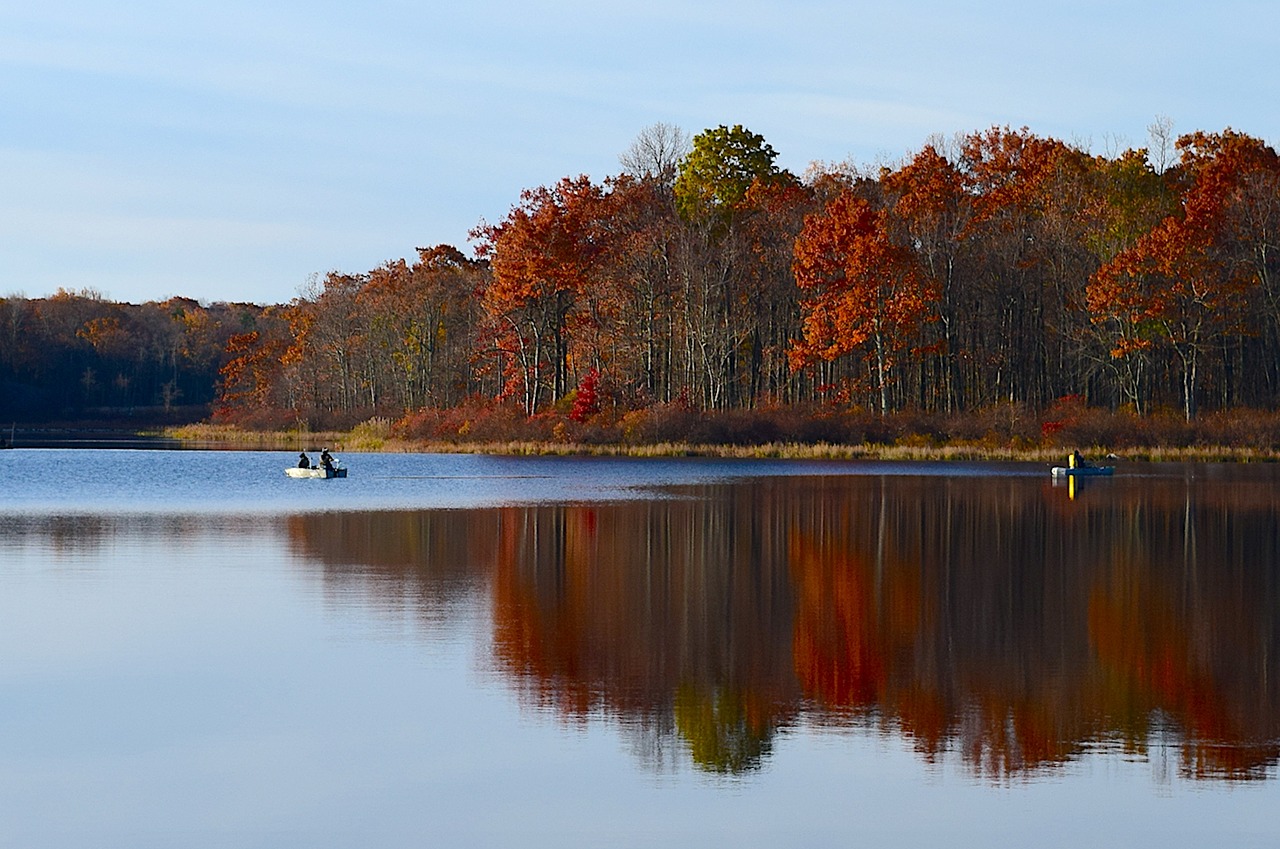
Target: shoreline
[359,440]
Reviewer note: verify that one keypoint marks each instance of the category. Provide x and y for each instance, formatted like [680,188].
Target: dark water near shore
[480,651]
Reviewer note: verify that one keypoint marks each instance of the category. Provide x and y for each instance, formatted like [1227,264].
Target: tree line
[996,268]
[76,356]
[1001,267]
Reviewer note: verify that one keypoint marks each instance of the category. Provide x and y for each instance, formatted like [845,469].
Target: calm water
[472,651]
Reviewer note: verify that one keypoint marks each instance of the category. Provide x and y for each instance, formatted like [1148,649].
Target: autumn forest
[998,270]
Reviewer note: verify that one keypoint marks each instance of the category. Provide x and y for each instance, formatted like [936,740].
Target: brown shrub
[1068,423]
[475,420]
[1258,429]
[258,419]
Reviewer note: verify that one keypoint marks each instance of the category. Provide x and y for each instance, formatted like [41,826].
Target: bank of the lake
[371,439]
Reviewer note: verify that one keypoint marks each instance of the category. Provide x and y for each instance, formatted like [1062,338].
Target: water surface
[459,650]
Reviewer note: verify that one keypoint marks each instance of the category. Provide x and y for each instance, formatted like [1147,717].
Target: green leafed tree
[716,174]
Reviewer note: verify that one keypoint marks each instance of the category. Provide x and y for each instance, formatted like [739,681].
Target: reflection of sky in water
[220,699]
[197,678]
[76,482]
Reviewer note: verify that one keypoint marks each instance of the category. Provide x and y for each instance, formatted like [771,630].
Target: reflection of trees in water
[1183,620]
[981,616]
[75,536]
[987,617]
[945,606]
[422,563]
[722,733]
[62,536]
[619,608]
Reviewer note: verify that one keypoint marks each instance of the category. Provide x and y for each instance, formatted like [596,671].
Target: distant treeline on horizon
[1000,268]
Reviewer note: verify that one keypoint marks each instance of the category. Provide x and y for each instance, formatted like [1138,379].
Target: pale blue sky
[232,149]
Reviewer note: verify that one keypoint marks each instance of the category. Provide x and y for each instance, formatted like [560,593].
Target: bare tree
[656,153]
[1160,132]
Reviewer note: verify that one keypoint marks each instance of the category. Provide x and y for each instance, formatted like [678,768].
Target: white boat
[318,472]
[1081,471]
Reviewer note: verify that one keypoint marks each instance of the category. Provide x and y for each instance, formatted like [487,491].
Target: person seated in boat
[304,462]
[1076,461]
[326,460]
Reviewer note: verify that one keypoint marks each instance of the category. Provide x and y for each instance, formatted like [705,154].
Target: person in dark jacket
[1077,461]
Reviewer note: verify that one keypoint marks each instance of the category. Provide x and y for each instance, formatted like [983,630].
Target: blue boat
[1081,471]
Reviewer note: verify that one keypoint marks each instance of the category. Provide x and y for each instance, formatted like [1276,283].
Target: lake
[198,651]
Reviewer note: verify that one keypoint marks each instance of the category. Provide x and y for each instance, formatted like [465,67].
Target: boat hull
[1082,472]
[322,474]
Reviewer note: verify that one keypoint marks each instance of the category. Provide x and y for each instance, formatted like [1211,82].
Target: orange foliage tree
[423,324]
[930,211]
[1187,282]
[998,269]
[864,293]
[543,256]
[1127,199]
[1022,289]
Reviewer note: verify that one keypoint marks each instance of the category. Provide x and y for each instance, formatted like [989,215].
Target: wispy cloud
[299,136]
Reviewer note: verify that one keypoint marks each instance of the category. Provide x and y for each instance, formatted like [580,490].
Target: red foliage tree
[1187,282]
[865,293]
[543,255]
[587,402]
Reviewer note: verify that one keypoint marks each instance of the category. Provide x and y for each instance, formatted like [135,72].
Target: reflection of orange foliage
[539,635]
[1136,632]
[838,653]
[866,638]
[612,609]
[926,716]
[1027,733]
[848,599]
[850,620]
[1140,637]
